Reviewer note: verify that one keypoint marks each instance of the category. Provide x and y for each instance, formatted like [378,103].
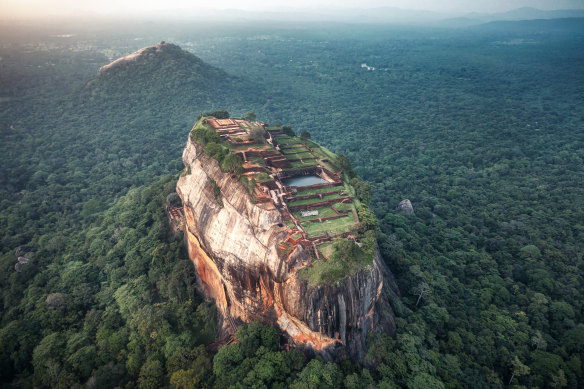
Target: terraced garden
[256,161]
[303,155]
[247,146]
[262,177]
[335,211]
[298,164]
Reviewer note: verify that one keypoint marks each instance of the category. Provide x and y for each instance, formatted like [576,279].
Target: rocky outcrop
[405,206]
[141,55]
[234,250]
[24,255]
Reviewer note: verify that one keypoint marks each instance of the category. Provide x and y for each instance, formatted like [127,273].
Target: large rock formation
[234,249]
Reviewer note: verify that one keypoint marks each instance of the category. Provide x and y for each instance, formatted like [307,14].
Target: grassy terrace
[293,148]
[286,140]
[321,151]
[308,192]
[323,154]
[257,161]
[290,143]
[334,226]
[315,199]
[304,156]
[344,206]
[322,212]
[294,152]
[245,147]
[298,164]
[262,177]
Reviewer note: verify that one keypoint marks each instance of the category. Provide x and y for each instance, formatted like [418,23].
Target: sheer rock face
[233,248]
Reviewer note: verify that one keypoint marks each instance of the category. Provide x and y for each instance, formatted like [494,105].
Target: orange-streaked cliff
[234,250]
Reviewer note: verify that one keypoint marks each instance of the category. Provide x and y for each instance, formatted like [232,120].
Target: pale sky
[64,8]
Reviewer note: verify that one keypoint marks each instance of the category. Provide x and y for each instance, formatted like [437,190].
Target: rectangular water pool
[304,181]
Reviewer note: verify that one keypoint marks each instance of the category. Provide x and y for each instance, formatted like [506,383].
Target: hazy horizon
[39,9]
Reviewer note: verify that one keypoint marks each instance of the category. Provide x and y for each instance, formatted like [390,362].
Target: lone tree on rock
[232,164]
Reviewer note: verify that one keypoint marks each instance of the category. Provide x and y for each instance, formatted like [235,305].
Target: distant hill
[155,94]
[537,26]
[376,15]
[519,14]
[156,54]
[163,67]
[530,13]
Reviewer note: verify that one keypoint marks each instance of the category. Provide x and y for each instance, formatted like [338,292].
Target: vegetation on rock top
[346,259]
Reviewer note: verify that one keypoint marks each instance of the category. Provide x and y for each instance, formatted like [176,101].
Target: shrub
[216,191]
[233,164]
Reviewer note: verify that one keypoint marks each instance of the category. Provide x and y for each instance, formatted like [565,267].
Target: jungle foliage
[128,309]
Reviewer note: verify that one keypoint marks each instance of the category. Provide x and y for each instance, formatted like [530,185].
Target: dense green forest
[482,129]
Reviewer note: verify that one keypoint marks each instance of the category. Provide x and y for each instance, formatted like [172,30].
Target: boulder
[22,263]
[22,250]
[24,255]
[405,206]
[19,266]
